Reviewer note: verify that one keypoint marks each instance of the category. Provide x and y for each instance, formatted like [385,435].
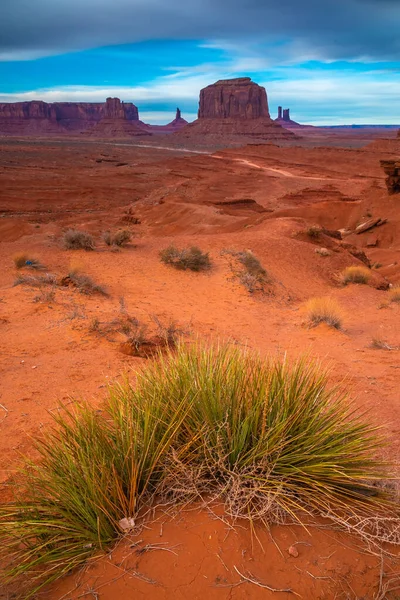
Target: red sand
[261,198]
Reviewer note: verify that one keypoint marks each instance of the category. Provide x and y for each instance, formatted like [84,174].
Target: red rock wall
[233,98]
[26,117]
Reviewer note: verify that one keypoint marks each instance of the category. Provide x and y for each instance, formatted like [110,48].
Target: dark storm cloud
[326,29]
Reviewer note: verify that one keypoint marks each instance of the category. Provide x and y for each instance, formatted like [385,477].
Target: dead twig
[263,585]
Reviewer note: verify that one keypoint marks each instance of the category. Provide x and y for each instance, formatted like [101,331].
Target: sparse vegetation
[120,238]
[84,284]
[324,310]
[314,232]
[268,438]
[191,258]
[379,344]
[355,274]
[46,296]
[36,280]
[21,260]
[250,273]
[78,240]
[394,294]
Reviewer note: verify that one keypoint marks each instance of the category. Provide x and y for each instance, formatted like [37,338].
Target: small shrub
[394,294]
[379,344]
[324,310]
[94,325]
[45,296]
[84,284]
[189,258]
[169,333]
[251,273]
[22,260]
[355,274]
[314,232]
[120,238]
[36,280]
[78,240]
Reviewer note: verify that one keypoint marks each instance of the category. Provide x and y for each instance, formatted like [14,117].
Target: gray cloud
[326,29]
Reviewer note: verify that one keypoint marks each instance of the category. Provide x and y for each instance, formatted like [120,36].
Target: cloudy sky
[330,61]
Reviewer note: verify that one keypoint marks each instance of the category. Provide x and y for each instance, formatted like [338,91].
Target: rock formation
[37,117]
[234,107]
[392,170]
[285,120]
[115,122]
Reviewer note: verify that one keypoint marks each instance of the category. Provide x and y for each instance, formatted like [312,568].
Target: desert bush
[379,344]
[314,232]
[120,238]
[36,280]
[21,259]
[250,273]
[355,274]
[84,284]
[188,258]
[268,438]
[394,294]
[324,310]
[78,240]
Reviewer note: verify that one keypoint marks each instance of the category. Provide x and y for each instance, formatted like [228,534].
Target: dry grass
[78,240]
[84,284]
[355,274]
[36,280]
[379,344]
[22,259]
[192,258]
[120,238]
[394,294]
[324,310]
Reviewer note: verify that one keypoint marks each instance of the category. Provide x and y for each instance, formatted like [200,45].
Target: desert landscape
[122,243]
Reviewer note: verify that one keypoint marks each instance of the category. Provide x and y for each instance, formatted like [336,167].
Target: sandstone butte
[115,122]
[235,107]
[285,120]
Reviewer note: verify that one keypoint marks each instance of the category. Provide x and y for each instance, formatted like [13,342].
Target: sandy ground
[261,198]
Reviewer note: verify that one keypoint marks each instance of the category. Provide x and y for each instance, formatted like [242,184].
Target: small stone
[293,551]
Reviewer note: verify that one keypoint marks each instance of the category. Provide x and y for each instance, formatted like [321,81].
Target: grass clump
[120,238]
[78,240]
[268,438]
[192,258]
[355,274]
[324,310]
[21,260]
[394,294]
[84,284]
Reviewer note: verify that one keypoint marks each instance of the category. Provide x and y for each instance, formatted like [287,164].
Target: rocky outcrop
[234,107]
[115,122]
[392,170]
[285,120]
[36,117]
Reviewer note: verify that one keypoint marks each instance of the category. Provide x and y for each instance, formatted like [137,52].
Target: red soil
[261,198]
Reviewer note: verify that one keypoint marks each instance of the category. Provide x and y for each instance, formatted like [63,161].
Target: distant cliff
[35,117]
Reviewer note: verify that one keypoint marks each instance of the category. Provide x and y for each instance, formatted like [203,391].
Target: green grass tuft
[268,438]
